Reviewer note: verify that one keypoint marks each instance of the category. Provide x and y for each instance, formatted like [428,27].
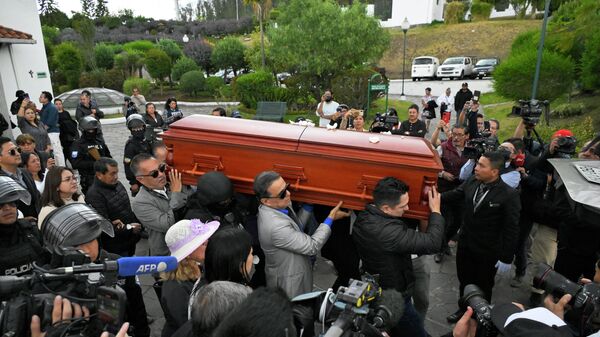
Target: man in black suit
[490,226]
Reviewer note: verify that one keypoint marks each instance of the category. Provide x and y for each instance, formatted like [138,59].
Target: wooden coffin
[322,166]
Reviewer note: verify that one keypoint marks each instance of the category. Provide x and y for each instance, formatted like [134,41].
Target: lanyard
[480,200]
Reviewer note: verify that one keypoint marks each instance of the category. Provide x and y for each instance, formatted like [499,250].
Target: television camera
[361,309]
[384,122]
[477,146]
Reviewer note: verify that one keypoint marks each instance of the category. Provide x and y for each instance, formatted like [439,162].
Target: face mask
[90,134]
[519,160]
[328,99]
[139,134]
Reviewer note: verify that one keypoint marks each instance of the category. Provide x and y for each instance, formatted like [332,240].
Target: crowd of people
[500,203]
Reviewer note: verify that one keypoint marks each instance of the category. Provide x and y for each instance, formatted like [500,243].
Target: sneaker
[438,258]
[455,316]
[517,281]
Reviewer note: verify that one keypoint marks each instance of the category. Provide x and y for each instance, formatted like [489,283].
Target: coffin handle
[428,184]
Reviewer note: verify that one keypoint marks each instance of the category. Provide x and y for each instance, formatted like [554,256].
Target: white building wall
[417,12]
[17,60]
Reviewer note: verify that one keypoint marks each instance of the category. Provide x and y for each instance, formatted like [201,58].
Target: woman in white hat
[187,242]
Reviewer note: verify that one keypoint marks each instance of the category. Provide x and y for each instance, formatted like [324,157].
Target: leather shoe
[438,258]
[455,316]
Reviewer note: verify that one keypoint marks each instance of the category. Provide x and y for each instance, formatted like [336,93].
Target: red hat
[562,133]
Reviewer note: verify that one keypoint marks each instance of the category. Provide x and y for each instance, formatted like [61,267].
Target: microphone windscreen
[393,300]
[138,265]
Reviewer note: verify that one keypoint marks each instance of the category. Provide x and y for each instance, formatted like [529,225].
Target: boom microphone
[389,308]
[124,266]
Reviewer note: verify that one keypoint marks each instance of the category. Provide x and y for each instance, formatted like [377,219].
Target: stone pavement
[443,285]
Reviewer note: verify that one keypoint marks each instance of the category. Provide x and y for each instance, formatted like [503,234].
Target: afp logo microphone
[138,265]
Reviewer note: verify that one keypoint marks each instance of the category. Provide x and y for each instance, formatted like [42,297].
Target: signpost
[376,87]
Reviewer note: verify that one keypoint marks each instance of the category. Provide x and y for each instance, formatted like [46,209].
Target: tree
[513,78]
[47,6]
[158,64]
[87,8]
[192,82]
[101,9]
[590,62]
[186,13]
[87,30]
[104,56]
[68,62]
[182,66]
[338,40]
[261,10]
[55,18]
[229,53]
[171,48]
[201,52]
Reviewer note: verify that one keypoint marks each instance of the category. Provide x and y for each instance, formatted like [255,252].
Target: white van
[456,67]
[424,67]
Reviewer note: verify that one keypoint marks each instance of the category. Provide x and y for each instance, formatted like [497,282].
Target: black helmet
[135,121]
[88,123]
[72,225]
[11,191]
[213,187]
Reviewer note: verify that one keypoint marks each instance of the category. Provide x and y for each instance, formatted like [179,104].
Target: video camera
[585,299]
[361,309]
[482,311]
[384,122]
[480,145]
[531,111]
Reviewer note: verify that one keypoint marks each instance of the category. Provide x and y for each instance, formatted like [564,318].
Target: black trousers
[453,214]
[525,225]
[472,268]
[573,266]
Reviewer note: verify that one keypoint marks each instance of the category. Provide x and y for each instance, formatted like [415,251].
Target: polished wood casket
[323,166]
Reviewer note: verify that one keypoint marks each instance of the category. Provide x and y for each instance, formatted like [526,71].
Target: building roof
[9,35]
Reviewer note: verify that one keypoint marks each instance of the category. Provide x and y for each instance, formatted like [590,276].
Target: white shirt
[328,109]
[448,100]
[512,178]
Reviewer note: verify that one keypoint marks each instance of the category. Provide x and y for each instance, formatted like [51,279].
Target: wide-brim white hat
[186,236]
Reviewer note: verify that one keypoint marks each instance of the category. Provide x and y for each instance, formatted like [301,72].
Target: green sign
[41,74]
[375,87]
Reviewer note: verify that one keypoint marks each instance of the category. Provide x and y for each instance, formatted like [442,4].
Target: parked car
[485,67]
[424,67]
[456,67]
[226,75]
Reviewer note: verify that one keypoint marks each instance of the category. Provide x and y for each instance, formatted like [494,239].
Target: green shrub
[63,88]
[104,56]
[69,62]
[590,63]
[213,85]
[182,66]
[192,82]
[229,53]
[301,91]
[568,110]
[254,87]
[136,82]
[138,45]
[158,63]
[454,12]
[113,79]
[171,48]
[525,41]
[225,93]
[480,11]
[351,87]
[514,77]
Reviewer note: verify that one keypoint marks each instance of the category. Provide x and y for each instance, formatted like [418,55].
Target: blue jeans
[410,325]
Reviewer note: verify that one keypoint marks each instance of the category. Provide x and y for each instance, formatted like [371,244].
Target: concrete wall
[17,60]
[417,12]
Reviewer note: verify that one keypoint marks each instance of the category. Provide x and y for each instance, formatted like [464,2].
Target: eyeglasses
[155,173]
[69,179]
[281,195]
[14,151]
[458,135]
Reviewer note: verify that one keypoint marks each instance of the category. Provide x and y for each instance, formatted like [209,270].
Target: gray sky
[156,9]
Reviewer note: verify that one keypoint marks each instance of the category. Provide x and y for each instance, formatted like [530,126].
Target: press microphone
[124,266]
[389,308]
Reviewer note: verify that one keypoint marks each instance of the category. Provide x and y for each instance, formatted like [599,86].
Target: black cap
[428,89]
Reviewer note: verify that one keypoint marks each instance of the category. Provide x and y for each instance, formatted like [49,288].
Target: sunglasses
[281,195]
[14,151]
[155,173]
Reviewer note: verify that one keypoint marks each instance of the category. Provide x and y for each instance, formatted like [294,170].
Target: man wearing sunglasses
[155,203]
[10,159]
[282,235]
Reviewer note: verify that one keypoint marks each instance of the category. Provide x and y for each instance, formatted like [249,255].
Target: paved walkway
[443,286]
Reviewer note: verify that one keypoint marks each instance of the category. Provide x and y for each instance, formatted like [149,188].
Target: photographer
[472,115]
[490,226]
[129,107]
[20,242]
[76,228]
[385,244]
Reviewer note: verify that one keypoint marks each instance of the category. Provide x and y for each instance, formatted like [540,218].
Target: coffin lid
[411,151]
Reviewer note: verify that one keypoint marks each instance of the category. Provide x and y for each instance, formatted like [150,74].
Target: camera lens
[554,283]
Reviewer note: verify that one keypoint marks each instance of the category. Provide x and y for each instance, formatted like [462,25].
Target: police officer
[135,145]
[20,242]
[86,150]
[78,227]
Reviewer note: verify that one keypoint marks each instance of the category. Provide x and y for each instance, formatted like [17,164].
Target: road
[437,87]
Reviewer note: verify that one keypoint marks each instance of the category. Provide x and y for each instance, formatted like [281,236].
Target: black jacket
[133,147]
[81,158]
[492,230]
[20,245]
[174,301]
[385,243]
[112,202]
[34,207]
[461,98]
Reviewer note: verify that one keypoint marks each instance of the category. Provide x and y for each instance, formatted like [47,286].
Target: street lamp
[185,38]
[405,26]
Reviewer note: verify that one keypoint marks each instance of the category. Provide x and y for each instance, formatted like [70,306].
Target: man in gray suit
[282,235]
